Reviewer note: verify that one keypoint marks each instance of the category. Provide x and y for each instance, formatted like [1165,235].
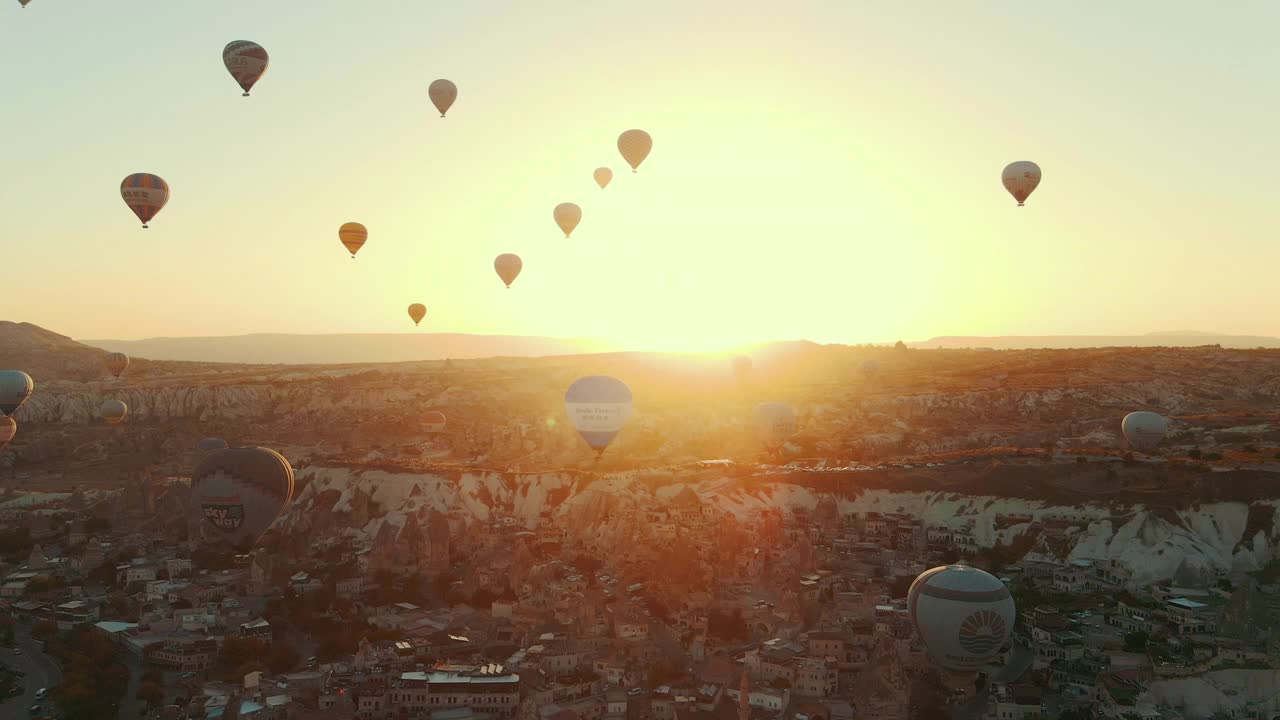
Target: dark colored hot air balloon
[212,443]
[8,428]
[240,492]
[145,194]
[15,387]
[246,61]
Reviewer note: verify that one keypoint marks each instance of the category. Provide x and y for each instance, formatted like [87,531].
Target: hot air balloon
[8,428]
[1020,179]
[775,424]
[145,194]
[211,443]
[353,236]
[568,216]
[634,146]
[508,267]
[24,2]
[15,387]
[962,614]
[240,492]
[116,362]
[741,366]
[598,406]
[870,367]
[433,422]
[417,311]
[113,411]
[246,61]
[443,93]
[603,175]
[1144,430]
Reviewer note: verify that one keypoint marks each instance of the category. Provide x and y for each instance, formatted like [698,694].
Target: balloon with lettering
[775,424]
[1144,430]
[443,94]
[239,492]
[417,311]
[433,421]
[1020,179]
[145,194]
[211,443]
[15,387]
[116,362]
[246,61]
[508,267]
[568,216]
[8,429]
[634,146]
[963,615]
[113,411]
[598,406]
[353,236]
[603,176]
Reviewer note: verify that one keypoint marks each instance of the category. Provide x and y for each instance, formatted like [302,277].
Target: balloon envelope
[775,424]
[353,236]
[246,61]
[598,406]
[417,311]
[962,614]
[211,443]
[1144,430]
[508,267]
[8,428]
[241,491]
[603,176]
[634,146]
[443,94]
[116,363]
[15,387]
[568,216]
[145,194]
[433,421]
[113,411]
[1020,179]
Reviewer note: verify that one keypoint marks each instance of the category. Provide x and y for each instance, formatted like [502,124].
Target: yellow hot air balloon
[443,93]
[567,217]
[353,236]
[603,175]
[508,267]
[114,411]
[634,146]
[417,311]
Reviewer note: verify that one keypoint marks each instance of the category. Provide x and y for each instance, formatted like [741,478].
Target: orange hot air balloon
[246,61]
[145,194]
[353,236]
[117,363]
[568,216]
[508,267]
[603,176]
[8,429]
[417,311]
[443,93]
[634,146]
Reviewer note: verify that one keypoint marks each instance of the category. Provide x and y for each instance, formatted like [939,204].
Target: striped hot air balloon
[353,236]
[145,194]
[246,61]
[117,363]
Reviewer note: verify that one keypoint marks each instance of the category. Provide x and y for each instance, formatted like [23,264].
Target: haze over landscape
[650,361]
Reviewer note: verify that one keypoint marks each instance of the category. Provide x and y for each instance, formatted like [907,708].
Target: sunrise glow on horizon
[829,173]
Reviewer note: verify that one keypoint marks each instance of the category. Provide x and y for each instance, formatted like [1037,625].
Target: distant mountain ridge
[289,349]
[1177,338]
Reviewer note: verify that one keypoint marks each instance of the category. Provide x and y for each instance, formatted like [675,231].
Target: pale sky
[821,170]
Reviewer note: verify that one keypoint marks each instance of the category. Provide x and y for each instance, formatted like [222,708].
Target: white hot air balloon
[963,615]
[1144,430]
[598,406]
[1020,179]
[15,387]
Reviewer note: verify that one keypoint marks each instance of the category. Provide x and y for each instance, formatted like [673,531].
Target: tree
[283,657]
[899,345]
[1135,641]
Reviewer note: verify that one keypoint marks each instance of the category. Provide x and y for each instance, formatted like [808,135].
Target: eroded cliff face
[1154,543]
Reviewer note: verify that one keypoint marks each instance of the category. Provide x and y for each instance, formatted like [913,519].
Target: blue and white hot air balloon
[598,406]
[964,616]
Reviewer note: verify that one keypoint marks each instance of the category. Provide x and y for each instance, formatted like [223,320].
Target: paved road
[42,672]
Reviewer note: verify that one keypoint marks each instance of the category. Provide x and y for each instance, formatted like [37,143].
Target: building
[1016,702]
[77,612]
